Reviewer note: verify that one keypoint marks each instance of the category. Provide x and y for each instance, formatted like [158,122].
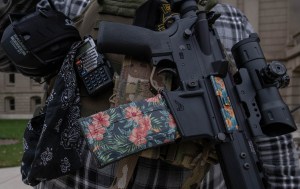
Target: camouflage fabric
[120,7]
[134,83]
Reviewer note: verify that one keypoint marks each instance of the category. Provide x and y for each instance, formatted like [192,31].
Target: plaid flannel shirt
[278,153]
[70,8]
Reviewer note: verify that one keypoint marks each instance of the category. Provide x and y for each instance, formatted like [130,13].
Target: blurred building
[19,96]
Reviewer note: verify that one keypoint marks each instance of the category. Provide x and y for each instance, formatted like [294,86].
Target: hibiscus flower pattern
[224,101]
[98,126]
[128,129]
[139,133]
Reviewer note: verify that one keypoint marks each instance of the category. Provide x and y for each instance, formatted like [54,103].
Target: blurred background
[276,22]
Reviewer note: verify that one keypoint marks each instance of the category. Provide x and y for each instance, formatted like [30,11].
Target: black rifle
[192,46]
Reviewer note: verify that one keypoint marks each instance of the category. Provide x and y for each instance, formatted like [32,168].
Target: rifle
[209,102]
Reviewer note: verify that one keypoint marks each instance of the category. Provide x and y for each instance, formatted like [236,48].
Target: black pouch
[52,140]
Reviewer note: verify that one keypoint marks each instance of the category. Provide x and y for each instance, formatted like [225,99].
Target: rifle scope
[276,118]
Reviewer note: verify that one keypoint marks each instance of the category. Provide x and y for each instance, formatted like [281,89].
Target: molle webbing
[120,7]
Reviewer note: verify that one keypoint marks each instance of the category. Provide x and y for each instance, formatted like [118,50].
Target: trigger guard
[168,70]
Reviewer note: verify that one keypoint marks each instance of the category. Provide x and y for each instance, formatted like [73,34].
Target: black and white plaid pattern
[281,165]
[277,153]
[70,8]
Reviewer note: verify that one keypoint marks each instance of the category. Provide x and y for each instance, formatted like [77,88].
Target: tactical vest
[119,7]
[132,84]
